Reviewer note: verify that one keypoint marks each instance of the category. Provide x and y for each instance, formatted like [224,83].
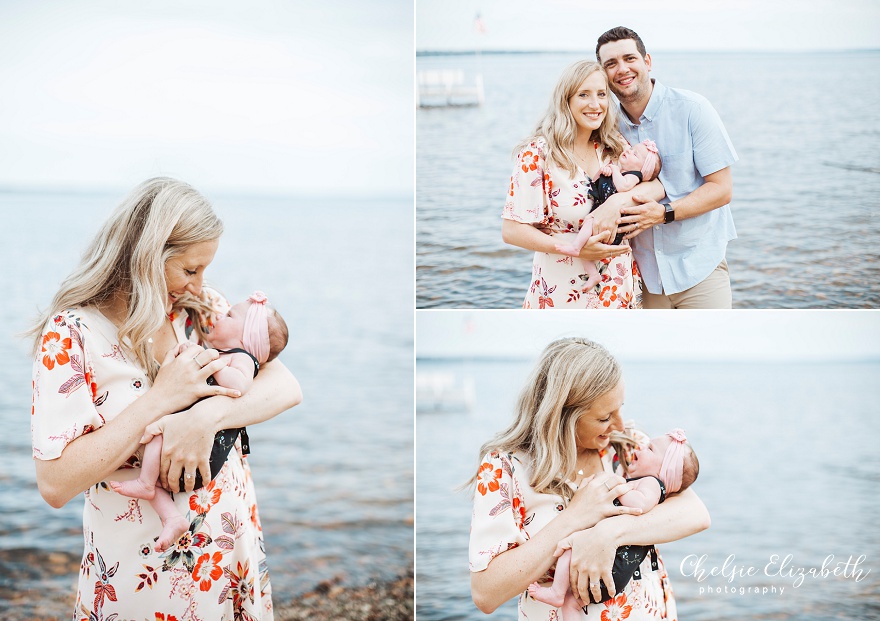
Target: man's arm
[716,191]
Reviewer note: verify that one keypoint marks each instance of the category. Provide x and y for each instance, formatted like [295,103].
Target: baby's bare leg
[173,524]
[593,274]
[555,593]
[145,485]
[584,234]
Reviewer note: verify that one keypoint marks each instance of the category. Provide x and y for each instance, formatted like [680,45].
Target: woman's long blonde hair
[558,128]
[158,220]
[570,376]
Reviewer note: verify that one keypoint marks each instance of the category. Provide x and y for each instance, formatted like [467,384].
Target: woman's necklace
[584,160]
[588,465]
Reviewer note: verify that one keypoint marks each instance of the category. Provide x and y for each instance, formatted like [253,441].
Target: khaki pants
[713,292]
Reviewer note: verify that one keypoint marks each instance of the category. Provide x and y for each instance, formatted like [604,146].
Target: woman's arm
[528,237]
[92,457]
[593,549]
[511,572]
[189,436]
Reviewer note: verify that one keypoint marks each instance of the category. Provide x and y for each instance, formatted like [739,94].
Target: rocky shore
[378,601]
[38,586]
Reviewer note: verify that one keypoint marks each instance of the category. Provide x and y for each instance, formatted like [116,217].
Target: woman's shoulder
[78,319]
[536,145]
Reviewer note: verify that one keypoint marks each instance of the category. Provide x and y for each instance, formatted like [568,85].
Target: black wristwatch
[669,216]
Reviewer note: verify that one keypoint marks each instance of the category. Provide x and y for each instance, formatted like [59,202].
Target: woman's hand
[182,379]
[605,217]
[596,249]
[187,440]
[592,559]
[594,500]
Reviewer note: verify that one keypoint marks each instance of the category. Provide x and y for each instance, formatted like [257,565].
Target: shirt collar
[658,93]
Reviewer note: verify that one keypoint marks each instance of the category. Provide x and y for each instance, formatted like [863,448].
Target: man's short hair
[618,34]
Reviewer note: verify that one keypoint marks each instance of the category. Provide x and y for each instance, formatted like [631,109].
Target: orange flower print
[204,498]
[529,161]
[608,295]
[511,186]
[519,512]
[54,350]
[160,616]
[487,479]
[207,569]
[616,608]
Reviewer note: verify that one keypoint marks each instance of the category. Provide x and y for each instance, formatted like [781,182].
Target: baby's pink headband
[650,159]
[673,461]
[256,327]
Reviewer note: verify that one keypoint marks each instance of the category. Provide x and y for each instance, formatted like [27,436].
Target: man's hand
[640,217]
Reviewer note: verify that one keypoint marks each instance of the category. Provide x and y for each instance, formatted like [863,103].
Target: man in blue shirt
[679,245]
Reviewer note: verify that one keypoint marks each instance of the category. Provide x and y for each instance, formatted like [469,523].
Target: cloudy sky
[667,25]
[267,96]
[658,335]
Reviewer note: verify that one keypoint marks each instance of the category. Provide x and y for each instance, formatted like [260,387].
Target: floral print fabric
[542,194]
[217,569]
[508,512]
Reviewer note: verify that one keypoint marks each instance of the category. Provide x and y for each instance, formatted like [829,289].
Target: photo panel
[779,407]
[486,76]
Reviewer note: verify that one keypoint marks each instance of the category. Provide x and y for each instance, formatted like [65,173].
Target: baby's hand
[184,346]
[606,170]
[152,430]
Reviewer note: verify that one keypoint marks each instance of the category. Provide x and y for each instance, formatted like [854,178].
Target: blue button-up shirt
[692,143]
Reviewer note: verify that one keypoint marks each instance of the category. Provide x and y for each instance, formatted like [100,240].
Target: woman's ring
[196,360]
[608,487]
[594,584]
[188,476]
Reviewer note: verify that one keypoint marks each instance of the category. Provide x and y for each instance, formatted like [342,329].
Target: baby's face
[633,158]
[646,460]
[228,328]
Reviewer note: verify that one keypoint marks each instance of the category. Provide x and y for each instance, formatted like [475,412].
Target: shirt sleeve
[529,197]
[63,389]
[713,150]
[499,513]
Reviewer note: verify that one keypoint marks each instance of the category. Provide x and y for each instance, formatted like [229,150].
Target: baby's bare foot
[134,489]
[567,249]
[172,529]
[546,594]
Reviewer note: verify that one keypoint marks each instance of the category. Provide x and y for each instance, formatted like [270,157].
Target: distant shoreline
[474,52]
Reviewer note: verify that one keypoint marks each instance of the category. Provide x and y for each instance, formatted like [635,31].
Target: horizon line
[111,190]
[695,358]
[499,51]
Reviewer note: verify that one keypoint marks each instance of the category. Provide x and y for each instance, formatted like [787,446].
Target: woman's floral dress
[217,570]
[507,512]
[542,194]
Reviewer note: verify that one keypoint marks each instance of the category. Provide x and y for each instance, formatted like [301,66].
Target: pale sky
[657,335]
[267,96]
[668,25]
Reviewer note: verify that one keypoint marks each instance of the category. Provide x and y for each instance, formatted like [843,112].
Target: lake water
[806,185]
[334,476]
[788,466]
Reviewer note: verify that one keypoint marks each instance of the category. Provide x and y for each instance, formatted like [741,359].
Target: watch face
[669,216]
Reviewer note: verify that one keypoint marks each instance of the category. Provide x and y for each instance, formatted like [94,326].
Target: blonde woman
[548,480]
[549,198]
[106,367]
